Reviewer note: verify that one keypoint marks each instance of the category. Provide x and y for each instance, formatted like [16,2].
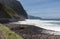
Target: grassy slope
[8,34]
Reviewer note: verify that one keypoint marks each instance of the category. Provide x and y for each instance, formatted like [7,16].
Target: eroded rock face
[16,6]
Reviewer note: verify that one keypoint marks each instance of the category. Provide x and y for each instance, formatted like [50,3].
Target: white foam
[40,23]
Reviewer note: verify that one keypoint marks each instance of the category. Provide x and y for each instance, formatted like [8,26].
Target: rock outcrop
[16,6]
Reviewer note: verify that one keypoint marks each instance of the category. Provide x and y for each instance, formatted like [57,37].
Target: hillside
[16,6]
[7,14]
[6,33]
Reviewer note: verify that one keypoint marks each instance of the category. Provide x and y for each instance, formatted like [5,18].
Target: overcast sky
[42,8]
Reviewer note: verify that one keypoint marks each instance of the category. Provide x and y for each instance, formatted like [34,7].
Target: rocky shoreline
[31,32]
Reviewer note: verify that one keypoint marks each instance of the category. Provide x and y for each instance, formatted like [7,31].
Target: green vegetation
[8,34]
[11,12]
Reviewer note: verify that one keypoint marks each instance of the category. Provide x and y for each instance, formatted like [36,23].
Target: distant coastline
[35,17]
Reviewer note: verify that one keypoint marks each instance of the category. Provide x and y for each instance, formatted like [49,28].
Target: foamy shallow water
[40,23]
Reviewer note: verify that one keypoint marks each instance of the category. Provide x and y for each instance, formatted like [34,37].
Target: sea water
[58,23]
[45,24]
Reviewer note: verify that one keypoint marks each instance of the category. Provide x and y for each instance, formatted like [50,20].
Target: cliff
[16,6]
[7,14]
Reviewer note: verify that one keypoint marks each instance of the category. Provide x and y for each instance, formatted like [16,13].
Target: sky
[42,8]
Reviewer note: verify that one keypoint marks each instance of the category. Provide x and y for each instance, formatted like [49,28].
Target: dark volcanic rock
[31,32]
[16,6]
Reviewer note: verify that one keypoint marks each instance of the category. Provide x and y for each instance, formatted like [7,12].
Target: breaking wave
[49,25]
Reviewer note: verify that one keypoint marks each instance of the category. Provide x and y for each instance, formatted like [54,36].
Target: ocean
[58,23]
[45,24]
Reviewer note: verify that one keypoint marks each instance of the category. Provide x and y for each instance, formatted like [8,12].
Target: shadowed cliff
[7,14]
[16,6]
[11,10]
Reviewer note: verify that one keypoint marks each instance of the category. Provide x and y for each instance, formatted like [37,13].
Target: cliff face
[16,6]
[7,14]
